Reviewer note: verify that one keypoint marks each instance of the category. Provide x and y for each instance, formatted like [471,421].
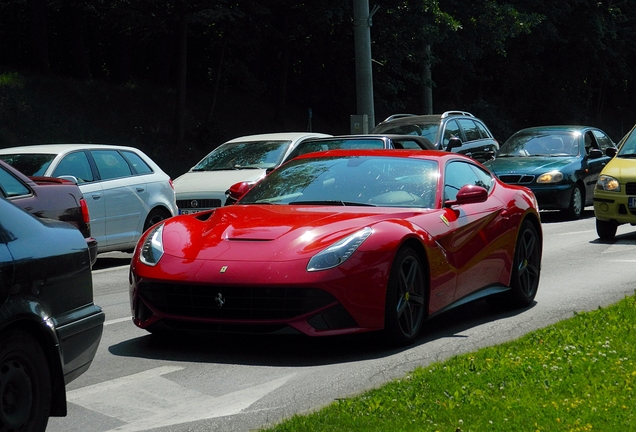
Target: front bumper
[553,197]
[613,206]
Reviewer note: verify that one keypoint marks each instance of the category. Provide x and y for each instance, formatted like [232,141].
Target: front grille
[516,178]
[200,203]
[238,303]
[630,188]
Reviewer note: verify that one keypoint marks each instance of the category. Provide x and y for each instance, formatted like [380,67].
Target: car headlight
[152,248]
[550,177]
[338,252]
[608,183]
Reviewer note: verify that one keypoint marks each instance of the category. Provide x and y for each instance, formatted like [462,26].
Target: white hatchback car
[125,190]
[243,159]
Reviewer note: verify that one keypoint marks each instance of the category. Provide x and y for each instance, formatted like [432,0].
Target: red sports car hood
[269,232]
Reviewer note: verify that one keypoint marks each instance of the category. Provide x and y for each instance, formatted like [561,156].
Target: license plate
[631,203]
[189,211]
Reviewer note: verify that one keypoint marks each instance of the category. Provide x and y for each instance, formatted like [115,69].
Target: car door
[594,139]
[471,243]
[123,196]
[77,165]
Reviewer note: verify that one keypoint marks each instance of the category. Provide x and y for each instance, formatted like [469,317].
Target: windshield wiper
[333,202]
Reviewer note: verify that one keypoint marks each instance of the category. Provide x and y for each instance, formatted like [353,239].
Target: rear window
[29,164]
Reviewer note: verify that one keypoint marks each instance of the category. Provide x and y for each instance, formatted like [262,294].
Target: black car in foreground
[49,326]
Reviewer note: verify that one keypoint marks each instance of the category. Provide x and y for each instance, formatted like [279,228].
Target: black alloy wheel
[25,383]
[406,298]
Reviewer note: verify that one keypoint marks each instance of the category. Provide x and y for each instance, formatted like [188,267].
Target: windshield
[427,130]
[244,155]
[350,180]
[29,164]
[336,144]
[628,147]
[541,143]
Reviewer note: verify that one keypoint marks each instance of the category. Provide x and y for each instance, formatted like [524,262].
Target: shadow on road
[298,350]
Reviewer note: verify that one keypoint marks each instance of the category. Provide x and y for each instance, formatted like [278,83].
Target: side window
[451,130]
[461,173]
[410,145]
[137,163]
[11,186]
[111,164]
[76,165]
[590,142]
[483,131]
[603,140]
[470,129]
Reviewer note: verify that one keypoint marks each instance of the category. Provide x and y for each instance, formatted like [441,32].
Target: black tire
[25,383]
[156,215]
[526,271]
[405,299]
[606,230]
[577,203]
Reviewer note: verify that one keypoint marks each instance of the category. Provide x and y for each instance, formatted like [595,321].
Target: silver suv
[476,139]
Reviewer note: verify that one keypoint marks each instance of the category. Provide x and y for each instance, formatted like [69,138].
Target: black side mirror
[454,142]
[595,154]
[611,151]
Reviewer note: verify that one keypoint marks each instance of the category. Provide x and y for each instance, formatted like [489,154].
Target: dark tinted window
[137,162]
[460,174]
[11,186]
[470,129]
[75,164]
[451,130]
[29,164]
[111,164]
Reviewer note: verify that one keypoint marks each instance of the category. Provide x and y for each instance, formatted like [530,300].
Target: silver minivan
[125,190]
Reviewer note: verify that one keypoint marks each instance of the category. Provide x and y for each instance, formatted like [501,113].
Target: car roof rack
[397,116]
[450,113]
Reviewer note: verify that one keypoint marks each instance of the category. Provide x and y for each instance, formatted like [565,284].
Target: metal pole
[364,75]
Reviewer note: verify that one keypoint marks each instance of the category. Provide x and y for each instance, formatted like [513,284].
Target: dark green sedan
[560,164]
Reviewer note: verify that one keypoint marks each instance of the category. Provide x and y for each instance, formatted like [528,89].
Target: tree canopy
[514,63]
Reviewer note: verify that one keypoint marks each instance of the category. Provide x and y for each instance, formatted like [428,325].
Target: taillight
[85,215]
[171,185]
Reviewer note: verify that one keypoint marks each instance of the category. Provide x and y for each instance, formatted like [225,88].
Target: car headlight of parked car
[608,183]
[152,248]
[550,177]
[338,252]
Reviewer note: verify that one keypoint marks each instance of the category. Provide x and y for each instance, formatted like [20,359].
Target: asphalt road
[241,383]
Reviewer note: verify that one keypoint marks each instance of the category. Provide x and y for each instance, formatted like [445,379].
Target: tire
[156,215]
[25,383]
[606,230]
[405,299]
[526,271]
[577,203]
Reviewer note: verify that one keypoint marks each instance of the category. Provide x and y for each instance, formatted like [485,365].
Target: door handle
[140,189]
[96,196]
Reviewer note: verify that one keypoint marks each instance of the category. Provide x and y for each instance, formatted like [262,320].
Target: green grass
[576,375]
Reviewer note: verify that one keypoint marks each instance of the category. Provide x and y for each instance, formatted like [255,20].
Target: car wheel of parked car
[25,383]
[405,301]
[575,210]
[156,215]
[606,230]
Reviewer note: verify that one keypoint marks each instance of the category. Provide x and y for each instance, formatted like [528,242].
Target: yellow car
[615,192]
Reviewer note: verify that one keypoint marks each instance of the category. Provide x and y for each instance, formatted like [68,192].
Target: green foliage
[577,375]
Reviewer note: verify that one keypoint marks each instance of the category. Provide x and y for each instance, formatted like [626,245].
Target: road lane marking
[147,400]
[118,320]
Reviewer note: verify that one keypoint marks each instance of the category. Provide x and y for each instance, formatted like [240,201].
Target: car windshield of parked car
[336,144]
[244,155]
[541,143]
[628,147]
[426,130]
[350,180]
[29,164]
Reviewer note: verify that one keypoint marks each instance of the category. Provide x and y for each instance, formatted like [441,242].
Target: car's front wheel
[25,383]
[606,230]
[405,298]
[577,204]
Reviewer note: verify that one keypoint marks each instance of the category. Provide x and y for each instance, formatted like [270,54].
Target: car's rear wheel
[25,383]
[405,298]
[526,270]
[156,215]
[577,205]
[606,230]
